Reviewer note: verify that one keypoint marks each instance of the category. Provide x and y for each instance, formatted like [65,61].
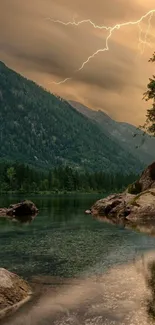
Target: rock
[111,205]
[145,182]
[88,212]
[24,208]
[114,207]
[13,291]
[142,207]
[3,212]
[147,179]
[131,210]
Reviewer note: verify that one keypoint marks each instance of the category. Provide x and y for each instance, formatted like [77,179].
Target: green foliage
[11,174]
[25,179]
[134,188]
[43,130]
[150,95]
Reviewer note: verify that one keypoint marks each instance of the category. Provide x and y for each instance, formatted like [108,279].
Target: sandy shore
[120,296]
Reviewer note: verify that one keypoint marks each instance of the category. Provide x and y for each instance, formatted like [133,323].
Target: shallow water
[64,242]
[118,297]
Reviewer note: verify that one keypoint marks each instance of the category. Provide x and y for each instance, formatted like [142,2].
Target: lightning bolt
[147,32]
[143,42]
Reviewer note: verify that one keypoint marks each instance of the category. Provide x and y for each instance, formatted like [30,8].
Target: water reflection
[24,219]
[146,225]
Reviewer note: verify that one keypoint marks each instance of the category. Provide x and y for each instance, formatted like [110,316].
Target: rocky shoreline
[134,208]
[14,292]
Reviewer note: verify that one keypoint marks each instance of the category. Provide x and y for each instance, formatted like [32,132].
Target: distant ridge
[142,147]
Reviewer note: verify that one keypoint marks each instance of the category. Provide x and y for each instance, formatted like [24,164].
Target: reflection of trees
[25,219]
[60,208]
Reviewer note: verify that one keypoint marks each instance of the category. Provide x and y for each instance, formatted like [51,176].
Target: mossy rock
[134,188]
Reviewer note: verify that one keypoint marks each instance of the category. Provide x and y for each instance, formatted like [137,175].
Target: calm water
[63,241]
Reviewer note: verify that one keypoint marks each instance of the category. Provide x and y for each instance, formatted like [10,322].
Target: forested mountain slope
[43,130]
[142,147]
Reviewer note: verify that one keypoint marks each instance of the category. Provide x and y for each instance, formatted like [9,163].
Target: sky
[113,81]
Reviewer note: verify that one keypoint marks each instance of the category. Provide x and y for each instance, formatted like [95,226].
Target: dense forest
[42,130]
[128,136]
[24,179]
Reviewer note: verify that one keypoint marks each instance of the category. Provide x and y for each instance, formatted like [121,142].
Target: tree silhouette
[150,95]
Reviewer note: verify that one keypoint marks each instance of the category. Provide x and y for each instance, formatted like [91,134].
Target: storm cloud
[113,81]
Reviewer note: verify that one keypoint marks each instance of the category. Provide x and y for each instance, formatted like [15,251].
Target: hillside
[139,146]
[43,130]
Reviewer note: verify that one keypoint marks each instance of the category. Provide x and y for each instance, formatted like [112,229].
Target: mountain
[127,136]
[44,130]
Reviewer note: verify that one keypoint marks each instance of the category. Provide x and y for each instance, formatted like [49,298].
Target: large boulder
[24,208]
[114,208]
[13,291]
[135,210]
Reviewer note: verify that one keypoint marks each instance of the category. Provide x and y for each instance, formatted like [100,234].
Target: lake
[63,242]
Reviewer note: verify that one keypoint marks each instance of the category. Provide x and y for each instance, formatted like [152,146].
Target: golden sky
[113,81]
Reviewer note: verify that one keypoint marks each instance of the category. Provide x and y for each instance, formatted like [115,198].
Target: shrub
[134,188]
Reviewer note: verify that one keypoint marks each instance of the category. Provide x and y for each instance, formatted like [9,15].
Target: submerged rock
[24,208]
[135,210]
[13,291]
